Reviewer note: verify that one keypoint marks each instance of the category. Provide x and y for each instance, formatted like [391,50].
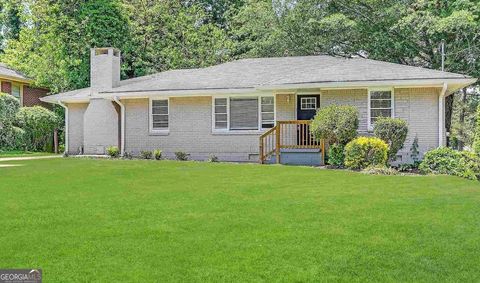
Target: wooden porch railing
[288,134]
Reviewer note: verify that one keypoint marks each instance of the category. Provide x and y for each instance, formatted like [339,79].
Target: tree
[476,141]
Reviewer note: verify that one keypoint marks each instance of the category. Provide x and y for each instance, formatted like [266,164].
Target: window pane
[381,103]
[267,125]
[221,109]
[160,118]
[160,125]
[380,94]
[244,113]
[268,108]
[267,100]
[381,113]
[267,116]
[160,110]
[221,117]
[16,91]
[220,101]
[308,103]
[156,103]
[220,125]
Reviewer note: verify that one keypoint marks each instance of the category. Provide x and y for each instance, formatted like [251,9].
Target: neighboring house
[18,85]
[247,109]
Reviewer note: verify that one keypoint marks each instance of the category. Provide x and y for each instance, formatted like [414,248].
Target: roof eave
[373,83]
[16,79]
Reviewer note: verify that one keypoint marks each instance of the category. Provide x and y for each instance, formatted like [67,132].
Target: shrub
[409,167]
[414,153]
[146,154]
[445,160]
[157,154]
[336,155]
[182,156]
[127,155]
[9,138]
[335,124]
[394,132]
[38,124]
[380,170]
[212,158]
[476,139]
[365,151]
[113,151]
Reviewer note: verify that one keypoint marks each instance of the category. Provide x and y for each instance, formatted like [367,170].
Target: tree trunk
[461,119]
[448,116]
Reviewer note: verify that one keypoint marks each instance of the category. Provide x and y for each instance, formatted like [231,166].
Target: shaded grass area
[20,153]
[114,220]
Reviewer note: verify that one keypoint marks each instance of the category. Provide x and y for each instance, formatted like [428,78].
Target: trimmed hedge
[363,152]
[445,160]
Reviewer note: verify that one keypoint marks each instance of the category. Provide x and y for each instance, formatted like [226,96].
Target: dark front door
[307,106]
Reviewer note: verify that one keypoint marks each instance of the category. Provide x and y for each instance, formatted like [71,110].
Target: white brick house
[225,109]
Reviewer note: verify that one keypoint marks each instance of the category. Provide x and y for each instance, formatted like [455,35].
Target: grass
[137,221]
[19,153]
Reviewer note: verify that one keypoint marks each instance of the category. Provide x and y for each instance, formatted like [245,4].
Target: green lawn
[143,221]
[19,153]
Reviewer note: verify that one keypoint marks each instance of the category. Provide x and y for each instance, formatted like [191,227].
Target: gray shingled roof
[258,72]
[11,73]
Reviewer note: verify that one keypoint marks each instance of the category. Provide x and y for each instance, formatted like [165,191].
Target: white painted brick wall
[75,126]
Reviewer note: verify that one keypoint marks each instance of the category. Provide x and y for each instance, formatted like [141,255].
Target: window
[16,90]
[381,105]
[268,112]
[308,103]
[159,115]
[221,116]
[243,113]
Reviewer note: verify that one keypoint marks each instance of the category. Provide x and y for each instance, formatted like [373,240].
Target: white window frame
[369,102]
[308,98]
[150,116]
[259,98]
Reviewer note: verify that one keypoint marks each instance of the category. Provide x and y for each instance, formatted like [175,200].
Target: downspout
[441,115]
[122,125]
[66,125]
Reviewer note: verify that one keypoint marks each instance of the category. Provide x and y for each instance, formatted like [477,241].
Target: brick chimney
[104,68]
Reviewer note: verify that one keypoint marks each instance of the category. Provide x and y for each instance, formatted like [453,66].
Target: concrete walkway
[29,157]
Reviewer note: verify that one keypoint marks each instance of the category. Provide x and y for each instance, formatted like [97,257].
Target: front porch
[290,142]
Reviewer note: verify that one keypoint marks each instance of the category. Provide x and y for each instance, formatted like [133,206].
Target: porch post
[277,142]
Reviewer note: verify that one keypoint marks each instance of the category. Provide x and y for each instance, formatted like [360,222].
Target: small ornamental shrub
[363,152]
[113,151]
[393,131]
[336,155]
[476,139]
[409,167]
[38,124]
[146,154]
[335,124]
[212,158]
[157,154]
[380,170]
[445,160]
[181,156]
[414,152]
[127,155]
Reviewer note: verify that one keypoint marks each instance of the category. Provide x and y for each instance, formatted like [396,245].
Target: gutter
[122,125]
[441,115]
[66,125]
